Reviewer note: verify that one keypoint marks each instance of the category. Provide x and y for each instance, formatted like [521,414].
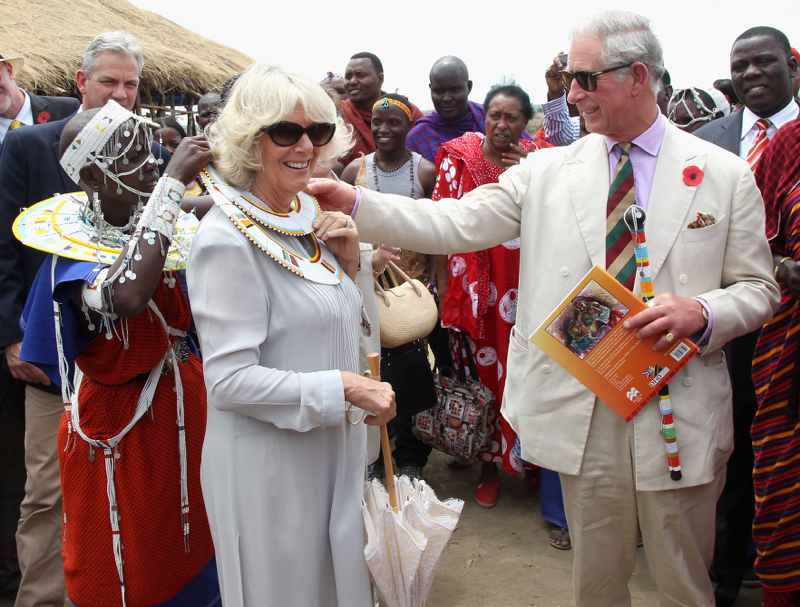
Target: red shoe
[487,493]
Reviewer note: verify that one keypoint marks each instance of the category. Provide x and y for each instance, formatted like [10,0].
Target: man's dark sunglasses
[285,134]
[587,80]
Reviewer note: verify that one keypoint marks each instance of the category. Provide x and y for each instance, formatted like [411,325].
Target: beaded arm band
[159,217]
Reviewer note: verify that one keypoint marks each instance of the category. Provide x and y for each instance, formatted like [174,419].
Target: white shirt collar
[787,114]
[25,116]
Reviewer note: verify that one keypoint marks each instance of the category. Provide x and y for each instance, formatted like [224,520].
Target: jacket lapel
[69,185]
[670,196]
[38,105]
[732,134]
[587,179]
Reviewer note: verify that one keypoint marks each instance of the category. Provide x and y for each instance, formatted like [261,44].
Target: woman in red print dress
[480,301]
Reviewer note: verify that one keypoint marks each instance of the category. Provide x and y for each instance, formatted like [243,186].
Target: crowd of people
[185,416]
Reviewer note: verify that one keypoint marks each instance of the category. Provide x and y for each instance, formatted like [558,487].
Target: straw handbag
[406,309]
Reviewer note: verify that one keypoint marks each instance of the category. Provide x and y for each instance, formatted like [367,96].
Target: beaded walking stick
[635,218]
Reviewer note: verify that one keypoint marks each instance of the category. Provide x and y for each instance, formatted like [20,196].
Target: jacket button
[683,279]
[687,381]
[545,368]
[564,271]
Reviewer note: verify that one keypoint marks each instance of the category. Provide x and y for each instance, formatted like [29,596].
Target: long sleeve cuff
[556,106]
[326,389]
[701,337]
[357,202]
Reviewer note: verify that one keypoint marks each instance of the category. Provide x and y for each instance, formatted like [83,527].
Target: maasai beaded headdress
[99,143]
[387,101]
[693,95]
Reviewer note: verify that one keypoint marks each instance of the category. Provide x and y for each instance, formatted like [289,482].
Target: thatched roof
[53,35]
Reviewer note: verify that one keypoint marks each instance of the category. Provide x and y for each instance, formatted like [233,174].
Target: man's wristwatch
[704,312]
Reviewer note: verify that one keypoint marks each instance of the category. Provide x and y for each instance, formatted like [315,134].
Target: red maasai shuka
[481,298]
[147,473]
[775,434]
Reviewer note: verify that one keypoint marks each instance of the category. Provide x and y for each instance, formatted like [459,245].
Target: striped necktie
[15,124]
[620,260]
[760,142]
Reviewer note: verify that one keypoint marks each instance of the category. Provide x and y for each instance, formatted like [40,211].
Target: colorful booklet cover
[584,334]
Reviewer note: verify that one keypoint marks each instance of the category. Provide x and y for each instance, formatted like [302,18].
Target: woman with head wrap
[120,324]
[395,169]
[481,294]
[689,109]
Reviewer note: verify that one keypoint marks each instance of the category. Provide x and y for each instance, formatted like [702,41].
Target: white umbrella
[407,529]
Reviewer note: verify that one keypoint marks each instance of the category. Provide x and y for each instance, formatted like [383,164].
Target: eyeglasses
[285,134]
[587,80]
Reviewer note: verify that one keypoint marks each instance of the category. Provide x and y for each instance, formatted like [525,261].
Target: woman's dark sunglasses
[587,80]
[285,134]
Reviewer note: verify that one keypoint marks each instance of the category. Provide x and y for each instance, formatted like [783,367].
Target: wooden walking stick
[375,372]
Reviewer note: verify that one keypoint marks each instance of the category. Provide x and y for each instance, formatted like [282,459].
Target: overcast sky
[510,37]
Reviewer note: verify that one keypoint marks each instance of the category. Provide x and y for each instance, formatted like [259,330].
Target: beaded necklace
[376,165]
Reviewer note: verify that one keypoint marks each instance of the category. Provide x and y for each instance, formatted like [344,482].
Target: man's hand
[555,86]
[681,316]
[22,370]
[789,274]
[333,195]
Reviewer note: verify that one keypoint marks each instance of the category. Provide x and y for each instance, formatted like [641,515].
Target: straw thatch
[53,35]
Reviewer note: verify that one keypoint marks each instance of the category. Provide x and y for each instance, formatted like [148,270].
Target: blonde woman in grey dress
[279,320]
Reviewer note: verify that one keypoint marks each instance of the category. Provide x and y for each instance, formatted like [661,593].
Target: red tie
[760,142]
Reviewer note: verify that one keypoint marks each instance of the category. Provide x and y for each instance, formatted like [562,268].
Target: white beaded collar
[258,223]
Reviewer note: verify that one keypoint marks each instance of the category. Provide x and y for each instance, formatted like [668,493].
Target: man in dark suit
[17,108]
[762,68]
[30,172]
[20,108]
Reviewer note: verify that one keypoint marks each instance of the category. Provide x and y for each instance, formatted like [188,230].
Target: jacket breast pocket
[707,234]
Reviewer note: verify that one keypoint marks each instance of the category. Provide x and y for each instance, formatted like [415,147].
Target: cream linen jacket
[555,201]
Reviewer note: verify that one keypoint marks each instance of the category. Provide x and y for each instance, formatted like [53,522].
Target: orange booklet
[584,334]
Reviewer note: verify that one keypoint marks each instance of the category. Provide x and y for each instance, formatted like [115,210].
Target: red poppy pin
[692,176]
[43,117]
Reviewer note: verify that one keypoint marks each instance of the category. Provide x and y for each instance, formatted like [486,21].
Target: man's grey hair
[111,42]
[627,38]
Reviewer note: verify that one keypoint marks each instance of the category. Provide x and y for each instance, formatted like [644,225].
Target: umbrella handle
[375,371]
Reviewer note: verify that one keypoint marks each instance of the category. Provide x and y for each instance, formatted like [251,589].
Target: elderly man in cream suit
[615,473]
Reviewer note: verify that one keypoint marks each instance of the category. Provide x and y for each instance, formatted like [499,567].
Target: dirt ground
[501,557]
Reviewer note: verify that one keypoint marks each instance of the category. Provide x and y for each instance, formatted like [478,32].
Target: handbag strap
[393,272]
[473,370]
[379,290]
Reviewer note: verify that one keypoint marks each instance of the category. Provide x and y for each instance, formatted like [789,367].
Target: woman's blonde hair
[265,95]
